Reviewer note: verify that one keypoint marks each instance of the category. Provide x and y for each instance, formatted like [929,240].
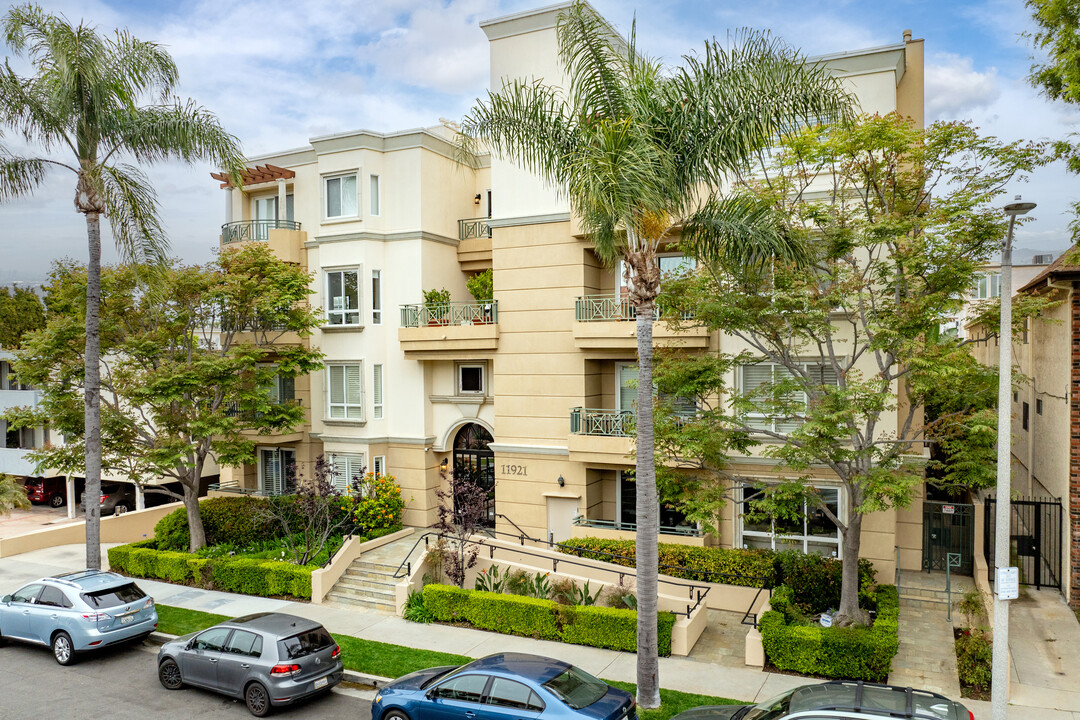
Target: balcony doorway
[473,458]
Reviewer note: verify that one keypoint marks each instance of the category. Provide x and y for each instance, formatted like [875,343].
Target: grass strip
[387,660]
[366,656]
[673,702]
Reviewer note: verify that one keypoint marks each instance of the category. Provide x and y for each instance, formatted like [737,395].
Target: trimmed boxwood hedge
[857,653]
[249,576]
[545,619]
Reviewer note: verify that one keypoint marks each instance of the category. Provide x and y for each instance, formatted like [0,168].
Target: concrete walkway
[1044,650]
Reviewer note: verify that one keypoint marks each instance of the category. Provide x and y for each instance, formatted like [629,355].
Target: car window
[777,707]
[467,688]
[212,639]
[54,597]
[577,688]
[114,596]
[245,643]
[26,594]
[511,694]
[305,643]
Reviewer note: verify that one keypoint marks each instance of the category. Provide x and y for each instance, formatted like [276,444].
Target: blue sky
[279,72]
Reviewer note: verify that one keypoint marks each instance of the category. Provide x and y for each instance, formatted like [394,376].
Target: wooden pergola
[256,175]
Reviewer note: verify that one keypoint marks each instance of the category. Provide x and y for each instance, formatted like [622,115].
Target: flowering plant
[377,503]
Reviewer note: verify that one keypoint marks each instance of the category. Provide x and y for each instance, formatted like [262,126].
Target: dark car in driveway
[42,490]
[265,659]
[116,498]
[507,686]
[840,700]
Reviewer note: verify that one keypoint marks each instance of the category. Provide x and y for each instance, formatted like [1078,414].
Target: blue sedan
[508,686]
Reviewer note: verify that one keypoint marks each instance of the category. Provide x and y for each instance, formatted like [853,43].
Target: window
[266,208]
[377,392]
[376,297]
[373,204]
[986,285]
[669,264]
[347,467]
[464,688]
[305,643]
[626,400]
[282,390]
[1016,396]
[53,597]
[276,470]
[577,688]
[213,639]
[470,379]
[244,643]
[1026,414]
[26,594]
[343,297]
[1038,406]
[813,533]
[754,376]
[346,387]
[511,694]
[113,597]
[341,197]
[378,465]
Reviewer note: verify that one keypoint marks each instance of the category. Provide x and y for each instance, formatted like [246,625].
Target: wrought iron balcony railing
[687,530]
[450,313]
[601,308]
[250,414]
[242,230]
[467,229]
[594,421]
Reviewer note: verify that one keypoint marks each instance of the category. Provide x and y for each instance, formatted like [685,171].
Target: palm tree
[82,102]
[12,495]
[643,152]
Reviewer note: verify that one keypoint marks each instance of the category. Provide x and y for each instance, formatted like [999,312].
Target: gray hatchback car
[76,612]
[266,659]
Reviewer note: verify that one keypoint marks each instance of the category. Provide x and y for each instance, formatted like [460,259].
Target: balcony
[474,245]
[449,331]
[610,423]
[284,237]
[606,323]
[601,435]
[18,398]
[621,527]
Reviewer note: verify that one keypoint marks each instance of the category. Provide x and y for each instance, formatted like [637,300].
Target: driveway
[35,518]
[1044,649]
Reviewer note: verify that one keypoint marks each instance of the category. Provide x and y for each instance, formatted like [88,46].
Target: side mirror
[190,644]
[431,694]
[6,599]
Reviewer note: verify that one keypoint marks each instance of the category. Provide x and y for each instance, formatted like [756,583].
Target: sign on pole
[1007,583]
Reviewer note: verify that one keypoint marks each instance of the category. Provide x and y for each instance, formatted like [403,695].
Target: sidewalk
[682,674]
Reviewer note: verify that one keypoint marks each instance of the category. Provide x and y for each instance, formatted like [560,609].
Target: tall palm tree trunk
[648,510]
[92,385]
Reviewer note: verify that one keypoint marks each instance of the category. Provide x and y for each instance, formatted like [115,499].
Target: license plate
[320,683]
[127,619]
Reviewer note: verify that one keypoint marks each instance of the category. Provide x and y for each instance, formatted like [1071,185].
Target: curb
[376,681]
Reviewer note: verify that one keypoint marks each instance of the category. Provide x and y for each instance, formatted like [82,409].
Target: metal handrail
[602,421]
[582,521]
[450,313]
[603,308]
[250,414]
[473,228]
[242,230]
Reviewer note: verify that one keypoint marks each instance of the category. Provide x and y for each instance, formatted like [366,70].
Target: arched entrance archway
[474,459]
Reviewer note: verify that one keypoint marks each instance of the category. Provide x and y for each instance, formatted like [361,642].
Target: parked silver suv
[266,659]
[840,700]
[79,611]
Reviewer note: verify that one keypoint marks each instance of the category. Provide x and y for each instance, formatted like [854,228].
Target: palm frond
[20,176]
[740,231]
[183,131]
[595,59]
[26,107]
[132,210]
[141,67]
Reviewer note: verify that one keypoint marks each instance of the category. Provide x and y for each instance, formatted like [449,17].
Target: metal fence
[468,229]
[1034,539]
[242,230]
[449,313]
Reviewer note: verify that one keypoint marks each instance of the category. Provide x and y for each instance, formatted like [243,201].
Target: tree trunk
[648,521]
[849,585]
[92,398]
[191,504]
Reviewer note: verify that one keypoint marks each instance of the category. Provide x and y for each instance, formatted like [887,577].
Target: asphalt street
[121,684]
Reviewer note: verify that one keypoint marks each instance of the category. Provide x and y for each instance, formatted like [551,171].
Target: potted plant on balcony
[437,304]
[482,288]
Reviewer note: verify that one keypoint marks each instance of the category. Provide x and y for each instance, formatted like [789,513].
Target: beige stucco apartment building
[529,391]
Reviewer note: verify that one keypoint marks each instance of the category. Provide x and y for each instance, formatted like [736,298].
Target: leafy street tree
[83,101]
[642,151]
[1059,35]
[12,495]
[21,310]
[828,368]
[189,363]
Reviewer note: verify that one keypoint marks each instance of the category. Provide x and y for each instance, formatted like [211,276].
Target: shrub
[234,520]
[415,610]
[611,628]
[512,615]
[446,602]
[815,580]
[974,653]
[856,653]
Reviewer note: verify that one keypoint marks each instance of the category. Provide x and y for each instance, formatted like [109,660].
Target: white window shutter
[354,392]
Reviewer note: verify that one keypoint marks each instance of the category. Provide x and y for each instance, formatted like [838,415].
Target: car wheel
[168,673]
[257,700]
[62,648]
[56,500]
[120,509]
[394,715]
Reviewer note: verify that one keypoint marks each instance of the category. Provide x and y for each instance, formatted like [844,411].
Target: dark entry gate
[948,528]
[1034,540]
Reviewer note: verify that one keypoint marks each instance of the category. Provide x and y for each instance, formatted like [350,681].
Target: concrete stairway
[366,584]
[926,591]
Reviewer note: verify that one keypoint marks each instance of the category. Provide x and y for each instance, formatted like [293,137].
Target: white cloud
[954,88]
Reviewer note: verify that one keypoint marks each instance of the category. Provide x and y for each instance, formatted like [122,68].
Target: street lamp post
[1000,659]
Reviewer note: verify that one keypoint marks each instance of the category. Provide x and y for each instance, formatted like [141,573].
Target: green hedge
[849,653]
[530,617]
[229,574]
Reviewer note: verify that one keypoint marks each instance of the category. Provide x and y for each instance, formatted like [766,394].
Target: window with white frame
[376,297]
[754,376]
[378,465]
[470,379]
[377,391]
[373,202]
[341,196]
[346,390]
[986,285]
[813,533]
[626,400]
[347,467]
[343,297]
